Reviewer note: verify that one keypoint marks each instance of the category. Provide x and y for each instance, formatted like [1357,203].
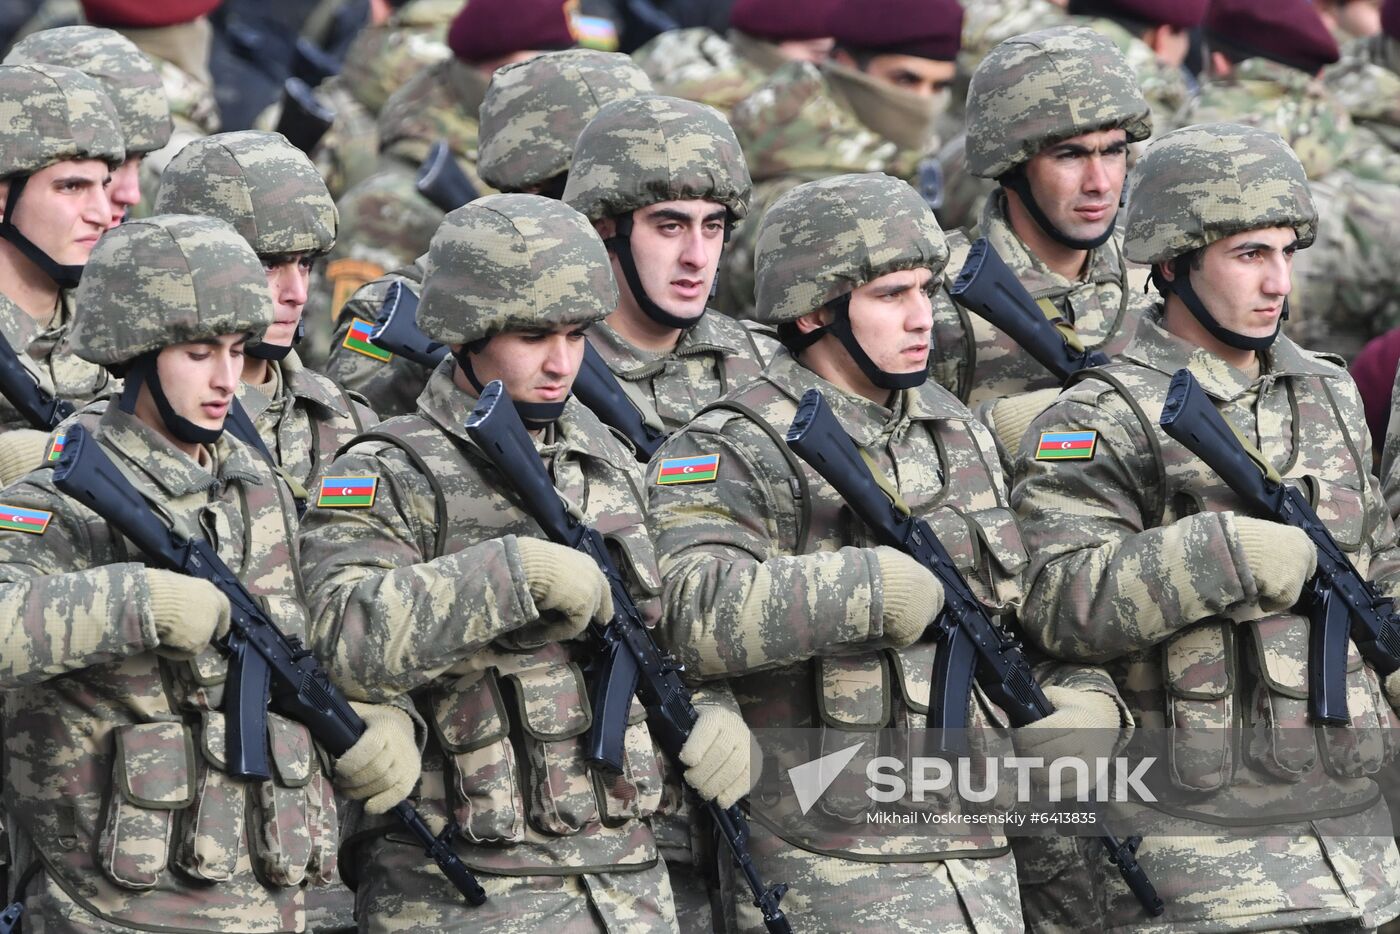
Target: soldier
[58,148]
[761,553]
[270,192]
[131,83]
[1351,19]
[521,151]
[1367,82]
[111,681]
[385,221]
[1155,38]
[1050,116]
[663,181]
[1143,560]
[700,65]
[437,587]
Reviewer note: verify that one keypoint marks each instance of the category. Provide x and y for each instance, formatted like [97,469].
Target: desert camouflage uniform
[1138,564]
[115,754]
[435,556]
[701,65]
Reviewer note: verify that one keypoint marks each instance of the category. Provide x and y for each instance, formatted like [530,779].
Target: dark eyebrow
[895,289]
[1262,247]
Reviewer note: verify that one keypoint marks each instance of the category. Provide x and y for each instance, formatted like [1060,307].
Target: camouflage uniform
[1367,83]
[1139,561]
[271,193]
[700,65]
[1163,85]
[115,753]
[436,555]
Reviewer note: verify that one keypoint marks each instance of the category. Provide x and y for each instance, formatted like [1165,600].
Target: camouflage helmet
[637,152]
[125,73]
[508,262]
[534,110]
[258,182]
[52,113]
[1034,90]
[824,239]
[1203,183]
[166,280]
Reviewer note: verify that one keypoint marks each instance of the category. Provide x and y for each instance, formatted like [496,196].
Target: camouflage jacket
[1367,83]
[434,557]
[988,23]
[45,355]
[1102,305]
[304,419]
[700,65]
[1163,85]
[711,359]
[114,754]
[390,383]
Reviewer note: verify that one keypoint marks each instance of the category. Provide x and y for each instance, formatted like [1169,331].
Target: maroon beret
[780,20]
[489,29]
[145,14]
[1183,14]
[1390,18]
[926,28]
[1287,31]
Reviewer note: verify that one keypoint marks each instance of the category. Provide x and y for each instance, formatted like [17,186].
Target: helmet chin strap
[1016,181]
[840,326]
[620,243]
[536,415]
[142,372]
[262,350]
[65,277]
[1182,288]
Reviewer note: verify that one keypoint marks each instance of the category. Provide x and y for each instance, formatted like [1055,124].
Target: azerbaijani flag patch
[358,340]
[702,468]
[15,519]
[347,492]
[56,449]
[1066,445]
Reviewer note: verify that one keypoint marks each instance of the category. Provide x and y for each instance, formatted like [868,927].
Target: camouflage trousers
[399,890]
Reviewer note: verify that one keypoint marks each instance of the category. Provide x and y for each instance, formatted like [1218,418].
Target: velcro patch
[56,448]
[17,519]
[357,339]
[346,276]
[1066,445]
[347,492]
[702,468]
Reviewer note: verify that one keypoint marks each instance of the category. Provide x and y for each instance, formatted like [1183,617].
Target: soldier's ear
[4,197]
[813,320]
[606,227]
[1220,65]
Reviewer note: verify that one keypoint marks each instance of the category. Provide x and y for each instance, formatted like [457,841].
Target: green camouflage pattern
[636,152]
[391,387]
[126,74]
[1367,83]
[258,182]
[980,363]
[1256,181]
[46,354]
[513,263]
[825,238]
[989,23]
[166,280]
[423,595]
[1137,564]
[535,110]
[1040,88]
[1163,86]
[700,65]
[52,113]
[115,769]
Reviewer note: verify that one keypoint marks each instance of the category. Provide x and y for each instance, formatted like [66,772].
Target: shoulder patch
[55,448]
[357,339]
[1066,445]
[347,492]
[346,276]
[17,519]
[702,468]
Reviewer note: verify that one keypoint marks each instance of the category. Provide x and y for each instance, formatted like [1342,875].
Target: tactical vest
[505,757]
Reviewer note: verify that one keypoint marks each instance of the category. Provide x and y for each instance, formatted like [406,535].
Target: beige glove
[913,597]
[1009,417]
[384,764]
[1391,684]
[717,755]
[1281,558]
[567,582]
[188,613]
[21,451]
[1085,725]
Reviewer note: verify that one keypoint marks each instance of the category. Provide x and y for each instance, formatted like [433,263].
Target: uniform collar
[1105,262]
[165,467]
[292,383]
[19,329]
[708,336]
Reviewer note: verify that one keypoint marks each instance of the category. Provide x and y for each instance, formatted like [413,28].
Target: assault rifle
[628,662]
[396,328]
[1341,604]
[266,667]
[442,181]
[38,407]
[987,286]
[971,644]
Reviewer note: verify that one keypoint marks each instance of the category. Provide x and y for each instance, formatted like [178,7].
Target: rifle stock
[396,328]
[442,181]
[597,387]
[304,119]
[38,407]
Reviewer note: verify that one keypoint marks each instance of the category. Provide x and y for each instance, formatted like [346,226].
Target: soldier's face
[65,209]
[125,190]
[535,366]
[1077,181]
[676,246]
[922,76]
[892,318]
[1243,280]
[806,50]
[287,278]
[199,379]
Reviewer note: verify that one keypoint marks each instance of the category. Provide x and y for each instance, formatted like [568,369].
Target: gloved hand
[384,764]
[1281,558]
[913,597]
[564,581]
[1391,684]
[717,755]
[1010,416]
[1085,725]
[188,613]
[21,450]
